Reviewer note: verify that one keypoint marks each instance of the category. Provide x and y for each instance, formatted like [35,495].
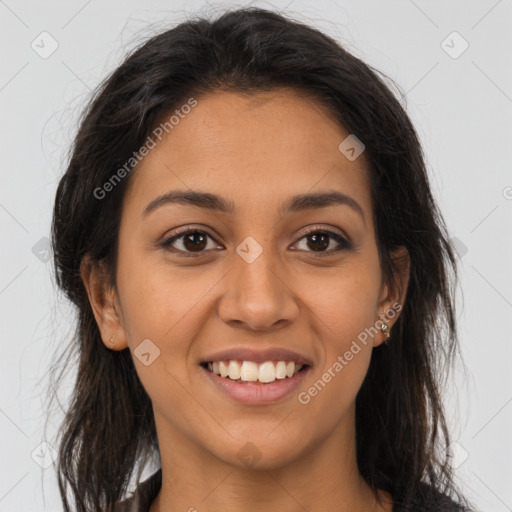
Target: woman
[262,278]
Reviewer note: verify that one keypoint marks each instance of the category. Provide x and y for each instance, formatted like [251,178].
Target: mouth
[251,372]
[252,383]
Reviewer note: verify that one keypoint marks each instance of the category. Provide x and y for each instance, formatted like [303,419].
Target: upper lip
[258,356]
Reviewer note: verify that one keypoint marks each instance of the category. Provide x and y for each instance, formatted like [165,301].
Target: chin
[260,453]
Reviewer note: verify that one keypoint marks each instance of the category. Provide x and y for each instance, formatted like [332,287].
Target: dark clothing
[147,491]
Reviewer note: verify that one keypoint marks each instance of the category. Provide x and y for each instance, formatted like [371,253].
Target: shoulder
[429,499]
[143,496]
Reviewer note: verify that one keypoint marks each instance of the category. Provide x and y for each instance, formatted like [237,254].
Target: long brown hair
[109,426]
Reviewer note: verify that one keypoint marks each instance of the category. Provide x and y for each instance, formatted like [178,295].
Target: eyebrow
[217,203]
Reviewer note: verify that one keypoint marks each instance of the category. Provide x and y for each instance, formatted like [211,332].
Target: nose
[258,295]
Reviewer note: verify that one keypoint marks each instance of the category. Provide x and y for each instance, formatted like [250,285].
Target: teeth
[234,370]
[223,369]
[280,370]
[267,372]
[249,371]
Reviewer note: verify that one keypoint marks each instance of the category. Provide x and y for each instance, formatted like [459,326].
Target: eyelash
[344,244]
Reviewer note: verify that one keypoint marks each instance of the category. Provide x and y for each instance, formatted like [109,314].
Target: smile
[250,383]
[250,371]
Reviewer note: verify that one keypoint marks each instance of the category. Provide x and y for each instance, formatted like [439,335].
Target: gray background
[461,103]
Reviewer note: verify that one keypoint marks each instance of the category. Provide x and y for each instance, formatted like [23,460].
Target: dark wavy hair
[402,433]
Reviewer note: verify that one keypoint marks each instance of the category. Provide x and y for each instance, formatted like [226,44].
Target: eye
[319,240]
[190,241]
[193,242]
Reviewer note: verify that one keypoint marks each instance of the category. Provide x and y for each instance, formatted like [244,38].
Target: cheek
[168,307]
[345,304]
[345,312]
[157,302]
[332,390]
[165,307]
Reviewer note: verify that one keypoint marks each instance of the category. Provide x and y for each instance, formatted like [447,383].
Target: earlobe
[393,295]
[104,303]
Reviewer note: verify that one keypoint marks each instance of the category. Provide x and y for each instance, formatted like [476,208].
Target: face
[264,274]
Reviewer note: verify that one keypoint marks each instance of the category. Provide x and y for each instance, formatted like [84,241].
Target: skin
[257,152]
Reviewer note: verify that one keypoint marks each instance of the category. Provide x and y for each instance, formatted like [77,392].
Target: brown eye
[191,241]
[194,241]
[319,241]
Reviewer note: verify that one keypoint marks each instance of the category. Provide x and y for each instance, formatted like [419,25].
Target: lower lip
[255,392]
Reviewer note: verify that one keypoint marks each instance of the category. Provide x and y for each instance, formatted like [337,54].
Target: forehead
[255,150]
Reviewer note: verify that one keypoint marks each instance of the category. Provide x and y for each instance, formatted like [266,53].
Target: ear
[104,303]
[392,297]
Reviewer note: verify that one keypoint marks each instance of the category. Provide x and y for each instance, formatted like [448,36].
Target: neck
[324,477]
